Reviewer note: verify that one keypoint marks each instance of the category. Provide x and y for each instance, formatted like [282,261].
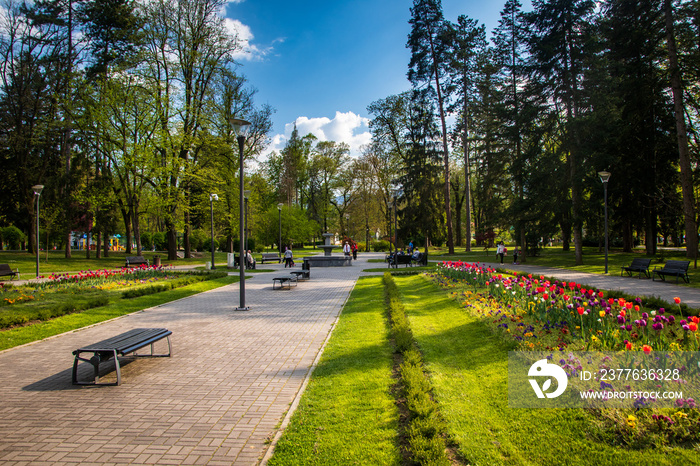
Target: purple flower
[658,326]
[621,319]
[662,310]
[645,316]
[671,319]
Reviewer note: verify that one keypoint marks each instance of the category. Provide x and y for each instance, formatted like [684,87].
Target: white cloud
[346,127]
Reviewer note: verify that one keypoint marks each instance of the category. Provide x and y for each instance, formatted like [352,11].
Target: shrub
[146,240]
[381,246]
[13,236]
[160,240]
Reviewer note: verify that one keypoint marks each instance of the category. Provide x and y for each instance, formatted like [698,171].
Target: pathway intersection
[220,398]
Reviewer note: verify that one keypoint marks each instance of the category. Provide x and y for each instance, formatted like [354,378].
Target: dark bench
[270,256]
[6,271]
[637,265]
[136,261]
[236,262]
[673,268]
[402,259]
[304,273]
[127,342]
[288,280]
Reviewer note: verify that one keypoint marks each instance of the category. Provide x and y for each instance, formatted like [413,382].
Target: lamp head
[240,127]
[213,197]
[246,193]
[604,176]
[279,206]
[37,189]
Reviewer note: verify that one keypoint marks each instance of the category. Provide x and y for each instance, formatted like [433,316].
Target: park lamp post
[604,177]
[279,211]
[240,129]
[212,198]
[347,225]
[246,193]
[37,192]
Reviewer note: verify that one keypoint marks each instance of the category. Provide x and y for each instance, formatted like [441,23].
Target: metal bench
[396,260]
[120,345]
[136,261]
[288,280]
[6,271]
[637,265]
[673,268]
[270,256]
[304,273]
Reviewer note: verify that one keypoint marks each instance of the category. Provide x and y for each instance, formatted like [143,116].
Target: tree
[428,60]
[686,176]
[560,31]
[186,46]
[468,41]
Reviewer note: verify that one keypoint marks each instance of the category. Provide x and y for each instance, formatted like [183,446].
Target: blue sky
[321,63]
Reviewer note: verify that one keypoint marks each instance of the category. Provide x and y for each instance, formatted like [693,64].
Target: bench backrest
[640,262]
[677,265]
[5,268]
[135,259]
[270,255]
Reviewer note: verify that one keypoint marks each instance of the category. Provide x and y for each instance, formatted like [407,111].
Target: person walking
[354,251]
[500,250]
[288,258]
[346,249]
[515,255]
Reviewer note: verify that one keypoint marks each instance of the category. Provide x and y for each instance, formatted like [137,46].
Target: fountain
[328,260]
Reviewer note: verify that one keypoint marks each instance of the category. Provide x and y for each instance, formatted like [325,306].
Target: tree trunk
[172,241]
[691,229]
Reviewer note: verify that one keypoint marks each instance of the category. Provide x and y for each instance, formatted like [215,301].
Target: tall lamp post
[246,193]
[604,177]
[240,129]
[279,210]
[37,192]
[347,225]
[212,198]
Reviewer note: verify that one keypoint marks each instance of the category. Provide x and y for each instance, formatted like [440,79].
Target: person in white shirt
[501,250]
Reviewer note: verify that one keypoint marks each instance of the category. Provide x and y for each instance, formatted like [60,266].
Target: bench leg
[95,362]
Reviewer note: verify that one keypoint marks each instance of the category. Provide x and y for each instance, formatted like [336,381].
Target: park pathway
[217,400]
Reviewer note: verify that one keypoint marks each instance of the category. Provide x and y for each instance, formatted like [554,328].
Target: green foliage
[11,317]
[13,236]
[171,284]
[425,428]
[381,246]
[160,240]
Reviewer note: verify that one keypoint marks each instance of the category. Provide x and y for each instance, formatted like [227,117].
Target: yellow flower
[632,421]
[601,313]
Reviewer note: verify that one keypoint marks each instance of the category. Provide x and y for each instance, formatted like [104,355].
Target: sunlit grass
[468,365]
[347,414]
[119,307]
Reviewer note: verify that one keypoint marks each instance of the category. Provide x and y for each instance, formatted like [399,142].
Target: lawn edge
[297,398]
[111,320]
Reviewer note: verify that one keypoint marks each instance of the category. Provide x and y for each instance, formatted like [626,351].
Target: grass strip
[347,413]
[468,366]
[22,335]
[425,428]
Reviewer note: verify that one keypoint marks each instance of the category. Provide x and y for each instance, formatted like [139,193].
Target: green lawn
[347,414]
[117,307]
[468,366]
[57,262]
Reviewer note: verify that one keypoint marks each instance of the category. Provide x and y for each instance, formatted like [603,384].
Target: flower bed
[63,294]
[536,313]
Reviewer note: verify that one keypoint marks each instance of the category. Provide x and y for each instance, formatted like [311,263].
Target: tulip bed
[535,313]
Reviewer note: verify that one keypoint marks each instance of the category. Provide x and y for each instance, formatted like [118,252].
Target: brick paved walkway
[232,377]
